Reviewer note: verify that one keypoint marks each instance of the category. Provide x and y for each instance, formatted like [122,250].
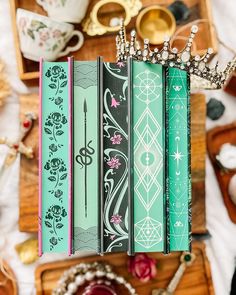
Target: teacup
[43,37]
[72,11]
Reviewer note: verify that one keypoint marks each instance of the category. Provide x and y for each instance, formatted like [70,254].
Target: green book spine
[148,146]
[54,158]
[85,156]
[179,171]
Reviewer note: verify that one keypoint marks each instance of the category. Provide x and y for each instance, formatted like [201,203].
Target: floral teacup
[42,37]
[72,11]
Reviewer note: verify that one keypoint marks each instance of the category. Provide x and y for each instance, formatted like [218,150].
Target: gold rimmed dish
[154,23]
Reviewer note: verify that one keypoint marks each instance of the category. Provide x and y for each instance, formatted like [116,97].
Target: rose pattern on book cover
[55,133]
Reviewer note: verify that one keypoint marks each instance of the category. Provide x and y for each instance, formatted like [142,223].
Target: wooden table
[196,280]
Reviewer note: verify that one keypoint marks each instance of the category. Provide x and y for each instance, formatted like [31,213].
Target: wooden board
[7,286]
[97,45]
[28,216]
[196,280]
[215,139]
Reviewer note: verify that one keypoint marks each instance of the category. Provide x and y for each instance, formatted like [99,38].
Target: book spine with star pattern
[178,156]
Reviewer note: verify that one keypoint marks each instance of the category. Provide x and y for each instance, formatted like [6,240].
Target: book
[86,140]
[147,157]
[115,157]
[178,153]
[55,157]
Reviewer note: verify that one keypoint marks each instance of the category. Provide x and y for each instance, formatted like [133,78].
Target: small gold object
[154,23]
[92,26]
[28,251]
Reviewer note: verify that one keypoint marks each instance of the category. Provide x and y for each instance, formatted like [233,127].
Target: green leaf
[63,2]
[59,225]
[38,25]
[52,178]
[63,176]
[54,47]
[63,84]
[31,34]
[48,224]
[59,132]
[53,86]
[47,130]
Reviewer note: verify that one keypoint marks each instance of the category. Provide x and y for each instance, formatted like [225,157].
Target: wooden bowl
[8,287]
[154,23]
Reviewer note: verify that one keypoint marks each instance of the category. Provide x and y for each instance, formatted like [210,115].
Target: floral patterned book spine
[86,156]
[55,157]
[147,139]
[179,170]
[115,157]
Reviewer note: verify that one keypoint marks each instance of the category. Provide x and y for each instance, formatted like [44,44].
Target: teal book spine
[147,171]
[55,157]
[179,170]
[85,156]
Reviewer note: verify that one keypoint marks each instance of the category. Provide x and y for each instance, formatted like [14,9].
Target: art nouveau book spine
[85,156]
[179,170]
[147,154]
[55,157]
[115,157]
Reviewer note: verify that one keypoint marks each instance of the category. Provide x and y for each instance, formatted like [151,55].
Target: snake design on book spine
[84,158]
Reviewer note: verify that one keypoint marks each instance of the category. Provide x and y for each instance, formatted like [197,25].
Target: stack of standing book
[114,158]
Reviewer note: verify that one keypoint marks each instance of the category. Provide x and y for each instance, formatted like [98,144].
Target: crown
[202,76]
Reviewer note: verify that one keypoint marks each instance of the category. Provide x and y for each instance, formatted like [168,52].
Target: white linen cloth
[221,248]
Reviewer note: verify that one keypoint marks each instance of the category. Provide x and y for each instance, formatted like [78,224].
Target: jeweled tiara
[201,74]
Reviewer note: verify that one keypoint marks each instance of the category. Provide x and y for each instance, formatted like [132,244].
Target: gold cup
[154,23]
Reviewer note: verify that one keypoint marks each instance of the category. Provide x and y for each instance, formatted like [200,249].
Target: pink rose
[22,22]
[56,34]
[44,35]
[142,267]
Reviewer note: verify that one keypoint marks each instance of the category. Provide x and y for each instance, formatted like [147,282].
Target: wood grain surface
[28,215]
[215,139]
[195,281]
[98,45]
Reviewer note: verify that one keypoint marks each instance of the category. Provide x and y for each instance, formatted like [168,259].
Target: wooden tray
[10,286]
[97,45]
[28,215]
[215,138]
[196,280]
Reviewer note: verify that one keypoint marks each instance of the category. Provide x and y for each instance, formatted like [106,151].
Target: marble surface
[221,247]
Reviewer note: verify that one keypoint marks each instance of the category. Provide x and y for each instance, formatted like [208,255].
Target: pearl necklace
[78,275]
